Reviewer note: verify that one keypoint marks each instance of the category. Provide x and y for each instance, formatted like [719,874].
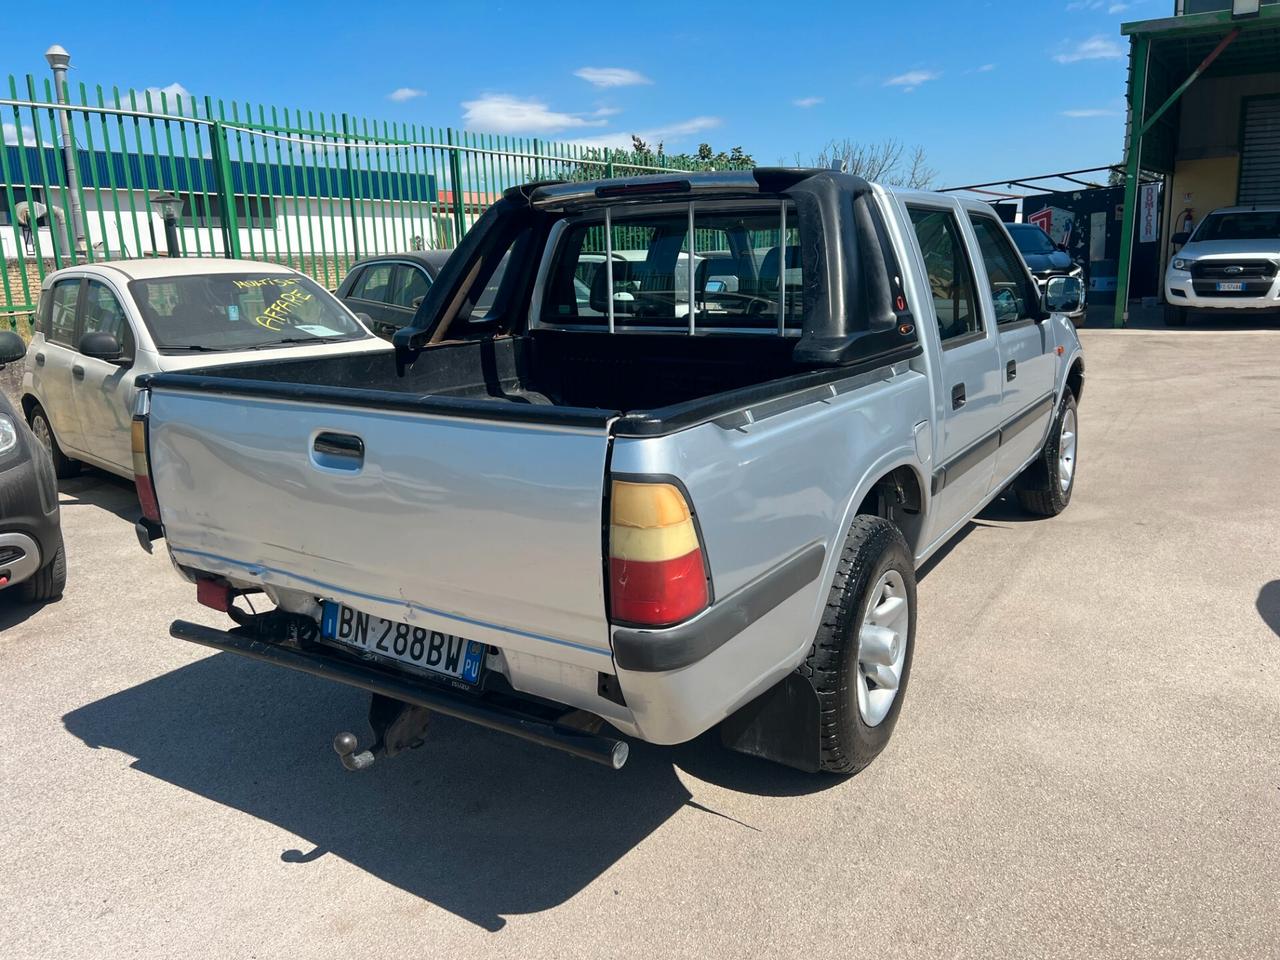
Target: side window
[408,284]
[950,275]
[62,312]
[103,313]
[1009,284]
[374,284]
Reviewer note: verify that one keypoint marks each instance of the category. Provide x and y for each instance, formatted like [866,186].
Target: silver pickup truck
[680,475]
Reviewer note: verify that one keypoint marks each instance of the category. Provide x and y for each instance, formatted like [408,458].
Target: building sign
[1148,213]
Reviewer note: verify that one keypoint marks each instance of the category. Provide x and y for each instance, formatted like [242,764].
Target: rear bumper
[319,663]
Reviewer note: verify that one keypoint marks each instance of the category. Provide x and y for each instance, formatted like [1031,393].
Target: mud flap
[782,725]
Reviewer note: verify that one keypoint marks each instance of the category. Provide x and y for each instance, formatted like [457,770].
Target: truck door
[1027,361]
[970,391]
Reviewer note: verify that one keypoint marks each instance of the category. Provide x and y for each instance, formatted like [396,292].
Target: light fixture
[167,205]
[1246,8]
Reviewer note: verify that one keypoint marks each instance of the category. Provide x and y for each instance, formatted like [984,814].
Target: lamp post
[169,206]
[59,60]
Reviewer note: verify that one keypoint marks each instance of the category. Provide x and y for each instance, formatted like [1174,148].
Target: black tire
[873,546]
[1175,316]
[1037,487]
[48,582]
[63,466]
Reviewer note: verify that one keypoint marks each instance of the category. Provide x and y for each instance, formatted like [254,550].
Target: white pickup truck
[633,492]
[1230,266]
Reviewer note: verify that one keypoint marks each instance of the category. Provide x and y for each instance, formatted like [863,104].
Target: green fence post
[226,188]
[351,187]
[608,163]
[455,184]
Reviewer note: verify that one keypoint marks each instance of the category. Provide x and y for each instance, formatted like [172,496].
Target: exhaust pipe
[607,751]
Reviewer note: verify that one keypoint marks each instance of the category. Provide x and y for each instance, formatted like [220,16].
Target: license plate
[1226,286]
[441,653]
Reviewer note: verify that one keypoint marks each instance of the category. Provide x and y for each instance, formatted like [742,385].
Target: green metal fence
[313,190]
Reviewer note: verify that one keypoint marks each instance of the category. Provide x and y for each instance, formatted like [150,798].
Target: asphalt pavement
[1087,764]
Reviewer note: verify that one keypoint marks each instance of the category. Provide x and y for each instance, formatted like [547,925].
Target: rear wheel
[1175,316]
[63,466]
[1045,487]
[861,657]
[48,582]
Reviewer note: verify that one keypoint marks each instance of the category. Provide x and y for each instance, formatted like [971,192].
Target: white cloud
[912,79]
[807,102]
[402,94]
[1093,5]
[1098,47]
[11,135]
[606,112]
[986,68]
[656,135]
[1118,8]
[611,76]
[505,113]
[1083,112]
[170,92]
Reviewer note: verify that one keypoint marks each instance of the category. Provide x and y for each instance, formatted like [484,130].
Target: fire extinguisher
[1187,220]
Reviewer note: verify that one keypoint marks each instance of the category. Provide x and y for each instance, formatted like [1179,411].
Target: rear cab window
[745,261]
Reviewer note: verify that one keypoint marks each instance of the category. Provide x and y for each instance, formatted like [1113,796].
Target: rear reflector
[211,593]
[657,573]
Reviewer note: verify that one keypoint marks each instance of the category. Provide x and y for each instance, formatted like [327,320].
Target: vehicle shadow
[103,490]
[1269,605]
[480,824]
[13,611]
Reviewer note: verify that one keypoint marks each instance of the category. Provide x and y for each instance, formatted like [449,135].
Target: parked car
[1228,266]
[606,511]
[385,290]
[1047,259]
[32,558]
[100,327]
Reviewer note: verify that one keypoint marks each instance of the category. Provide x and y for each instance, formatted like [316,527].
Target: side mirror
[12,348]
[1063,294]
[100,345]
[417,301]
[1181,238]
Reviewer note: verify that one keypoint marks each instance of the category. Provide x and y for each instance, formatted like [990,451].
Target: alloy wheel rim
[882,647]
[1067,451]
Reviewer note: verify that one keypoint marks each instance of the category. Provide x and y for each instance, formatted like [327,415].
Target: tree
[889,162]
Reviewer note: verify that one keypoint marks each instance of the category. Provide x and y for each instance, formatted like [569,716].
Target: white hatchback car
[102,326]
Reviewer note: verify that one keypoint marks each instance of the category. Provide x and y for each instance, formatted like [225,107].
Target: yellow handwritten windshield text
[276,315]
[266,282]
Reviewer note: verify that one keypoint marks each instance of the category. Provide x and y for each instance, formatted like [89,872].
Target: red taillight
[657,575]
[142,469]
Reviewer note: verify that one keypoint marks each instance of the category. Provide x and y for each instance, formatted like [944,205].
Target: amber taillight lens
[657,573]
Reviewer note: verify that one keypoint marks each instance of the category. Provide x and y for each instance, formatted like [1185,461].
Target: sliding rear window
[746,270]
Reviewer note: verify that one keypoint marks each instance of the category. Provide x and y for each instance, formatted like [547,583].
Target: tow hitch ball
[397,726]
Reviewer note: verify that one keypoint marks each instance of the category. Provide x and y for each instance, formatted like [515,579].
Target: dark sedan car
[1045,258]
[388,288]
[32,560]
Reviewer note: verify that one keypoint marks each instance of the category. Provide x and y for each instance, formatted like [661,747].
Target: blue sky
[1005,88]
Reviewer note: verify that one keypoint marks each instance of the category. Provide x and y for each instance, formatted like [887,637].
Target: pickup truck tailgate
[488,529]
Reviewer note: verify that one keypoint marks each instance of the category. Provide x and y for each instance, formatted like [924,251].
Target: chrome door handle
[338,451]
[78,372]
